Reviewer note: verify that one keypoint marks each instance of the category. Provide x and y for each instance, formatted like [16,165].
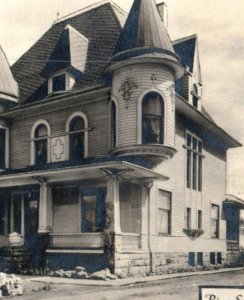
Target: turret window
[152,119]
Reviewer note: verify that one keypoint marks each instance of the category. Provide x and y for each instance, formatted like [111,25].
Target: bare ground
[170,289]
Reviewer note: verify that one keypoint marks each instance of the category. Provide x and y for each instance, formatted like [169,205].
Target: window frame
[7,148]
[113,131]
[34,139]
[194,162]
[217,220]
[139,116]
[160,209]
[67,133]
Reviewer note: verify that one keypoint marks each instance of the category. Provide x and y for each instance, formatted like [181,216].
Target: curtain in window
[76,139]
[152,119]
[41,144]
[164,211]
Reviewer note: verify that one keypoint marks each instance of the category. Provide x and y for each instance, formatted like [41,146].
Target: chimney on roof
[163,12]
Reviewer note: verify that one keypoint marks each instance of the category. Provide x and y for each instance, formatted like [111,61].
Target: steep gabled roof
[99,25]
[8,85]
[185,48]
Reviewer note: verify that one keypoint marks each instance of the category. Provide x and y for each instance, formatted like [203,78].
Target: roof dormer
[67,62]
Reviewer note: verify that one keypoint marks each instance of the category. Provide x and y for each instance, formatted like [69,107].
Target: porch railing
[130,241]
[77,240]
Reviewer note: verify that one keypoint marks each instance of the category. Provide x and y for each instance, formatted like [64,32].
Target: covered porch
[75,208]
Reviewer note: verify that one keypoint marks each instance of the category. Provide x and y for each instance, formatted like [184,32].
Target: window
[212,258]
[113,125]
[215,221]
[93,209]
[59,83]
[199,258]
[191,259]
[194,158]
[2,148]
[76,139]
[219,258]
[40,143]
[41,137]
[195,97]
[152,119]
[188,217]
[164,212]
[199,219]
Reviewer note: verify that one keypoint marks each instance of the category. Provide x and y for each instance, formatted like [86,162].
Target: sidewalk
[127,281]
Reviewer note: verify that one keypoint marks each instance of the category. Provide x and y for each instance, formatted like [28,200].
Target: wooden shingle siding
[98,138]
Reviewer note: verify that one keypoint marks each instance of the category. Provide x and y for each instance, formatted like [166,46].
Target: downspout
[149,185]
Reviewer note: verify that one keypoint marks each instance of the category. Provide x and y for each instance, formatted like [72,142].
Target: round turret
[143,70]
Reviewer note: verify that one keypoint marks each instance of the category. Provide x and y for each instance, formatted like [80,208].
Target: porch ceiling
[98,171]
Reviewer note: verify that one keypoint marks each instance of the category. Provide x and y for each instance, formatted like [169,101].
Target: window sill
[164,234]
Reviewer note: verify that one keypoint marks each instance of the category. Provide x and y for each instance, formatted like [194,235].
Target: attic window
[59,83]
[195,96]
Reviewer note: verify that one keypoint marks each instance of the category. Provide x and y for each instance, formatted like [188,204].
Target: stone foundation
[139,264]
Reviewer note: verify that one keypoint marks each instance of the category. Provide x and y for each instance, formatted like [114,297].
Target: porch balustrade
[77,241]
[130,241]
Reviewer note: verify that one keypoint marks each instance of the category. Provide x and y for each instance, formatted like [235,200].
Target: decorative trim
[193,233]
[126,89]
[153,150]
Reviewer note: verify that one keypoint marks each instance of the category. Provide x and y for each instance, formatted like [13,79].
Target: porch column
[45,208]
[113,206]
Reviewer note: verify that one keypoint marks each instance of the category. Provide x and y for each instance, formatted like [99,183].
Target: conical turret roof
[145,35]
[144,28]
[8,85]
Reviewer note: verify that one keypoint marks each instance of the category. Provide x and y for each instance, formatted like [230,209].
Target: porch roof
[234,200]
[98,171]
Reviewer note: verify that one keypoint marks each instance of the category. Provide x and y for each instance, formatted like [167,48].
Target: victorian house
[108,156]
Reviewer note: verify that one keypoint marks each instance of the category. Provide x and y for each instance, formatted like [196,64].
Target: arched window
[41,140]
[113,125]
[40,143]
[76,139]
[152,119]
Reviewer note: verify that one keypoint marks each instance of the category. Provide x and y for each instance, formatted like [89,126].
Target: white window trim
[40,122]
[139,116]
[67,125]
[159,187]
[117,126]
[7,149]
[50,82]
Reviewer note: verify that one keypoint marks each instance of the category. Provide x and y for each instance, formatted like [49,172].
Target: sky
[219,25]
